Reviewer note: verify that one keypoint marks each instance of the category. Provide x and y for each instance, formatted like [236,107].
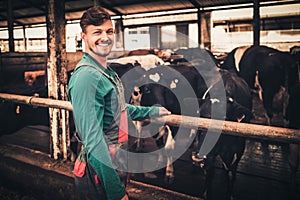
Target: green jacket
[94,100]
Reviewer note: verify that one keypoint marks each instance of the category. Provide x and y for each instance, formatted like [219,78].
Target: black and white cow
[229,148]
[170,86]
[274,70]
[161,85]
[175,86]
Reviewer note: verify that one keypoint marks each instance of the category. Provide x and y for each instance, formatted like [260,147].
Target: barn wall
[14,65]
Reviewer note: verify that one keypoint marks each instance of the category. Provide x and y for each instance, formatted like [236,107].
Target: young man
[100,113]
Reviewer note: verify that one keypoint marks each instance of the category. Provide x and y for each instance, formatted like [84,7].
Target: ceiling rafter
[109,7]
[195,3]
[15,21]
[34,5]
[28,12]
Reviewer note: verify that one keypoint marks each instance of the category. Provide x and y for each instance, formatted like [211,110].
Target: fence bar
[254,131]
[231,128]
[37,101]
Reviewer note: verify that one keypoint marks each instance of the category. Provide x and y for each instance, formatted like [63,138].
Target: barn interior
[268,169]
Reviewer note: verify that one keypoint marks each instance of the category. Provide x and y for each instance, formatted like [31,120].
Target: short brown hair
[93,16]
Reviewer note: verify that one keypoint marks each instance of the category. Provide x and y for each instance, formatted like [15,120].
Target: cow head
[136,96]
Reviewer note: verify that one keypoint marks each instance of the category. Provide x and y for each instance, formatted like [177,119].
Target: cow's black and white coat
[269,69]
[178,87]
[229,148]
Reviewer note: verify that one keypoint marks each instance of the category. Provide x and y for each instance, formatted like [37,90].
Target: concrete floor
[263,172]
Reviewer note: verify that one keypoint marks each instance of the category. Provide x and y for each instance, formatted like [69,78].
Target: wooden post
[57,77]
[206,30]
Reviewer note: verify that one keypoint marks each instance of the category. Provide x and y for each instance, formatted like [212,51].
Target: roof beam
[108,7]
[15,21]
[34,5]
[195,3]
[126,3]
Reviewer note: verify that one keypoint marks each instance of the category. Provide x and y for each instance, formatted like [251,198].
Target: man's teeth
[102,45]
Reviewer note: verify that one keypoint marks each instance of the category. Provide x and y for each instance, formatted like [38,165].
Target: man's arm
[88,114]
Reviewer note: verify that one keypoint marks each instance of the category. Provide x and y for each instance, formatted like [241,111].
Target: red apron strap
[123,127]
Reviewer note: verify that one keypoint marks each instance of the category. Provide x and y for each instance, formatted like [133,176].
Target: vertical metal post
[57,77]
[256,23]
[10,23]
[182,33]
[119,38]
[199,27]
[154,31]
[24,38]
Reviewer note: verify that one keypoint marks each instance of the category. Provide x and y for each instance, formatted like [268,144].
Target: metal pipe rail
[231,128]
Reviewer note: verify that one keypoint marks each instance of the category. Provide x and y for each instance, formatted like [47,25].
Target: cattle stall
[56,61]
[253,131]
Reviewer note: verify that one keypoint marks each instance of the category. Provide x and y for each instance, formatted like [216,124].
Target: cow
[230,148]
[141,52]
[169,86]
[275,71]
[146,61]
[293,111]
[164,54]
[292,116]
[156,86]
[190,54]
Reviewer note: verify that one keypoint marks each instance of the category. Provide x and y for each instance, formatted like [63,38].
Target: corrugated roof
[29,12]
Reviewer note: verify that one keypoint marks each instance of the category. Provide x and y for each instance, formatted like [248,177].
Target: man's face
[99,40]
